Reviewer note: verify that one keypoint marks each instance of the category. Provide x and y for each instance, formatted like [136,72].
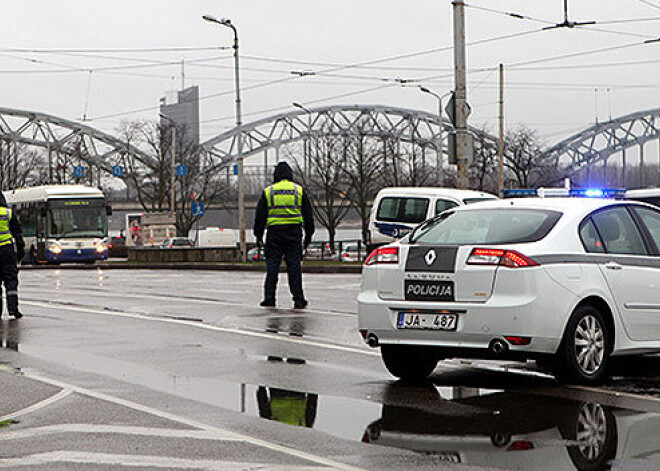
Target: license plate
[425,290]
[413,320]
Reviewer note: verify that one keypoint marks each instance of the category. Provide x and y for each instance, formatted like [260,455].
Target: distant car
[176,242]
[256,255]
[319,251]
[352,252]
[117,247]
[569,282]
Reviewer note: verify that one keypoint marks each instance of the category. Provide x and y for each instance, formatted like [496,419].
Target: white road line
[164,462]
[201,301]
[199,325]
[33,432]
[220,433]
[39,405]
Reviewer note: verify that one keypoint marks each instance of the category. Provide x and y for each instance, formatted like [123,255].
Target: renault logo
[430,257]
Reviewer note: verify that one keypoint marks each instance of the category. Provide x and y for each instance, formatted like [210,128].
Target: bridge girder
[405,125]
[598,142]
[63,136]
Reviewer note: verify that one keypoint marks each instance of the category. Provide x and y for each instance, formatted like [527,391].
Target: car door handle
[613,266]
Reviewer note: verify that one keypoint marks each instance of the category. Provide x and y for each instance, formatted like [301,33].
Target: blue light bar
[518,192]
[598,193]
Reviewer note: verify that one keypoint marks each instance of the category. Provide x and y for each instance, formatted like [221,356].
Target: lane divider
[39,405]
[199,325]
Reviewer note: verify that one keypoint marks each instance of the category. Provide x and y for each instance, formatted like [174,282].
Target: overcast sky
[556,97]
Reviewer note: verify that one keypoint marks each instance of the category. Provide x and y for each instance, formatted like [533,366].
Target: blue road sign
[181,170]
[235,169]
[79,171]
[118,171]
[197,209]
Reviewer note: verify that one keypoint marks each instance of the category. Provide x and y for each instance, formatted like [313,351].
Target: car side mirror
[108,210]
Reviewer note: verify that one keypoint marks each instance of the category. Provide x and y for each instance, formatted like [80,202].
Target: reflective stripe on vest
[5,233]
[284,201]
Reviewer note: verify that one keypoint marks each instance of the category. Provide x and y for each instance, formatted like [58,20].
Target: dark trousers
[291,249]
[9,277]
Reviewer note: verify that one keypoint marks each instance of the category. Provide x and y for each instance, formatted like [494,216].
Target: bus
[62,223]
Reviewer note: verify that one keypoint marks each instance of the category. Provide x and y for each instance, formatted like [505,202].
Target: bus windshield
[77,218]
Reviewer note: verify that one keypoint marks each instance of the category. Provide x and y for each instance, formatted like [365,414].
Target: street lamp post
[440,127]
[308,147]
[173,171]
[241,180]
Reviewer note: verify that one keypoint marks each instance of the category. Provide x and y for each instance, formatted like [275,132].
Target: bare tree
[484,164]
[21,166]
[323,180]
[523,158]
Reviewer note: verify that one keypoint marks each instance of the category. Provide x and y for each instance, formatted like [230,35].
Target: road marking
[215,431]
[199,325]
[39,405]
[131,461]
[188,299]
[112,429]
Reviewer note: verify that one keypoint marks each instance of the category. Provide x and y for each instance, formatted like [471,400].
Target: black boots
[12,306]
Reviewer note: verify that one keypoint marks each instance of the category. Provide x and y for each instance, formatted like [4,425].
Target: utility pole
[463,138]
[500,173]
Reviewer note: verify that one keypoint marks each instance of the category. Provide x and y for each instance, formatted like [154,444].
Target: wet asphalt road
[182,370]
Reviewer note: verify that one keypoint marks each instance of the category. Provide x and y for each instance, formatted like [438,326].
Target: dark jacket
[14,227]
[288,232]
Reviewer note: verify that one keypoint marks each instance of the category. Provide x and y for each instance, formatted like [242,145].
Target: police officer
[284,209]
[10,234]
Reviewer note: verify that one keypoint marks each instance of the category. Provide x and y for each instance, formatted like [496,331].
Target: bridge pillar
[641,165]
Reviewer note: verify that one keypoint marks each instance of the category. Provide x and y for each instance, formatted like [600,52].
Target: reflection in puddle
[522,431]
[10,334]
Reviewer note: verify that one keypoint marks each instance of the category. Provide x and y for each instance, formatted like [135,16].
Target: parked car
[319,251]
[176,243]
[352,252]
[117,247]
[570,282]
[256,255]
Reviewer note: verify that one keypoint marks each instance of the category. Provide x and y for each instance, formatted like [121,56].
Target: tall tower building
[183,108]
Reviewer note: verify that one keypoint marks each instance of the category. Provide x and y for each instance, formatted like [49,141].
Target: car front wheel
[583,355]
[411,364]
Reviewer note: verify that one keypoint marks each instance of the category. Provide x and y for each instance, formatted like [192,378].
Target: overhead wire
[650,4]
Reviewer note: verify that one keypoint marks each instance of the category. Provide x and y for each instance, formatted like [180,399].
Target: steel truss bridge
[594,148]
[609,141]
[65,141]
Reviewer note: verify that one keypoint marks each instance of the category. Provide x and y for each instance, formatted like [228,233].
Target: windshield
[77,218]
[487,226]
[477,200]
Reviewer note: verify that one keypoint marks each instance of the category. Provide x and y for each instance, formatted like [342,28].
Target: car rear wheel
[584,353]
[411,364]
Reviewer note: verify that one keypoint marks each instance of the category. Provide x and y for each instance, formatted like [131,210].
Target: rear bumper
[541,318]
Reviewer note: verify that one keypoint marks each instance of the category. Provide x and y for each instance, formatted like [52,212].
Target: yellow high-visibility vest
[5,233]
[284,201]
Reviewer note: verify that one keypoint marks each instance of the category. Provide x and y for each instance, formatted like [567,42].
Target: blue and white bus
[62,223]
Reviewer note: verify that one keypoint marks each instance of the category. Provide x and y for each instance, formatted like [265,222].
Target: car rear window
[487,226]
[400,209]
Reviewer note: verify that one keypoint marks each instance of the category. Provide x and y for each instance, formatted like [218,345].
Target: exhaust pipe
[499,347]
[372,340]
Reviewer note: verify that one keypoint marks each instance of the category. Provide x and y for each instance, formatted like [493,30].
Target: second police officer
[12,249]
[283,211]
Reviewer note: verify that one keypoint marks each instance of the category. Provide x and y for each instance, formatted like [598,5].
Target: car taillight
[505,258]
[383,255]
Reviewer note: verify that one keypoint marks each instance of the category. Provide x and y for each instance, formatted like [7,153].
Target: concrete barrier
[158,255]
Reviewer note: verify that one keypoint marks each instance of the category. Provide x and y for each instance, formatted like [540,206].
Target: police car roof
[433,191]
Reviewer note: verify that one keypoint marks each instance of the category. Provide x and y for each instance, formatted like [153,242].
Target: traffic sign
[118,171]
[181,170]
[197,209]
[235,169]
[79,171]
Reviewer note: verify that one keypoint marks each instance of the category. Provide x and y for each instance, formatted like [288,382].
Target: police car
[396,211]
[568,281]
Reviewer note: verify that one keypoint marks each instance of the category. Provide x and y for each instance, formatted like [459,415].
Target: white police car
[397,210]
[568,280]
